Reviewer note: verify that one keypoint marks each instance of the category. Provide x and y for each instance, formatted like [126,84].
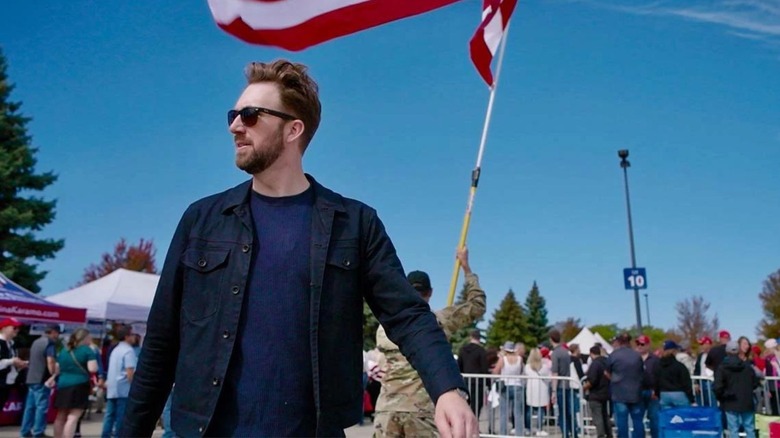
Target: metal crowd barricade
[523,405]
[768,397]
[702,391]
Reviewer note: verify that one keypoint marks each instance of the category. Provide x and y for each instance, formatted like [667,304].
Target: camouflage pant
[404,424]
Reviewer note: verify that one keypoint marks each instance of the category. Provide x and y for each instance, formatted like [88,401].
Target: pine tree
[769,326]
[21,212]
[462,336]
[537,317]
[509,322]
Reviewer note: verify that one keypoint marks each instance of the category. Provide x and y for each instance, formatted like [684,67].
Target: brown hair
[77,337]
[555,336]
[299,92]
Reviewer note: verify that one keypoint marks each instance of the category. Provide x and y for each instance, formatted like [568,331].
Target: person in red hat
[10,364]
[703,375]
[718,352]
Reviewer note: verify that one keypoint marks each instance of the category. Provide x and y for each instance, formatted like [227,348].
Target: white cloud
[751,19]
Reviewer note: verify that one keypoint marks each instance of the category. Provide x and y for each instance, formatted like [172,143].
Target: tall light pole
[623,154]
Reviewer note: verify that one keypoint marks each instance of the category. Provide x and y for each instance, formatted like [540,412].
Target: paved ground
[93,427]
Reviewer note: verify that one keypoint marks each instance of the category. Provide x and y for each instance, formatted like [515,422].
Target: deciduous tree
[693,321]
[131,257]
[769,326]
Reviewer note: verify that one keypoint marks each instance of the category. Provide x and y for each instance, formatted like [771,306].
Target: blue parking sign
[635,278]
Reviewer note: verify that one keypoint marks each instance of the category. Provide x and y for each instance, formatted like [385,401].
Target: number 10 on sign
[635,278]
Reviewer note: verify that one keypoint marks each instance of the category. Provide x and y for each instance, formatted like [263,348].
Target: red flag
[487,38]
[298,24]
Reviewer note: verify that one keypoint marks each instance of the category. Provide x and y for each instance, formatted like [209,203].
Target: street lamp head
[623,154]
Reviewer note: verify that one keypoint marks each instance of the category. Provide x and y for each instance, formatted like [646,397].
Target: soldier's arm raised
[455,317]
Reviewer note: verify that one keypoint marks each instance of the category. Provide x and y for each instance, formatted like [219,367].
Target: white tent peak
[122,295]
[586,339]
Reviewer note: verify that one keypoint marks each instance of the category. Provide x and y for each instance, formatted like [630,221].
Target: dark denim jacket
[191,326]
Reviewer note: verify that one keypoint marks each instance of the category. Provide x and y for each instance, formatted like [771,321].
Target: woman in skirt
[76,362]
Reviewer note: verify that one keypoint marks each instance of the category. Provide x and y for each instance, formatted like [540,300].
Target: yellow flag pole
[477,169]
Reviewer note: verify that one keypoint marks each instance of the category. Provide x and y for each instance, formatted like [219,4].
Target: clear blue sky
[129,100]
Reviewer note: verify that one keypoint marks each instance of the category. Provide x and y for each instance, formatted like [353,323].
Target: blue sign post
[635,278]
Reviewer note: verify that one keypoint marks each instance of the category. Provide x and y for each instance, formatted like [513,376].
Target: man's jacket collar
[324,198]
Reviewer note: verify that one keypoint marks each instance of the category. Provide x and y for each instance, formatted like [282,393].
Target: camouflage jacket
[402,388]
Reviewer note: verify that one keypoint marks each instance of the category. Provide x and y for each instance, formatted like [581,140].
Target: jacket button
[200,429]
[234,289]
[245,248]
[215,382]
[202,263]
[226,334]
[346,263]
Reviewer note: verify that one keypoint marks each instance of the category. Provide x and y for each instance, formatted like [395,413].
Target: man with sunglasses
[258,312]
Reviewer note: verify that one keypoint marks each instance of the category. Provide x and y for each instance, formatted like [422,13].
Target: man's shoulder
[222,200]
[470,348]
[350,205]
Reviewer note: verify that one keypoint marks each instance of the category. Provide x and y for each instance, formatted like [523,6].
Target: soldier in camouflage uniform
[404,408]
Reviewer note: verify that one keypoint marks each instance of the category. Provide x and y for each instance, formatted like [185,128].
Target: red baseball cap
[643,340]
[724,334]
[545,351]
[13,322]
[705,340]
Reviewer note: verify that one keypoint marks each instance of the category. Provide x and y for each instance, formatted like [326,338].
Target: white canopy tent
[586,339]
[604,342]
[122,295]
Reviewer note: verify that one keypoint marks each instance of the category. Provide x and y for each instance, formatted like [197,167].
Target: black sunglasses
[249,115]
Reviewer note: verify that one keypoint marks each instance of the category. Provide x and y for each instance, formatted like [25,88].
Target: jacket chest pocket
[204,271]
[342,273]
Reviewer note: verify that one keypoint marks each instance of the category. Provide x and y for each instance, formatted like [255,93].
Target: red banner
[42,312]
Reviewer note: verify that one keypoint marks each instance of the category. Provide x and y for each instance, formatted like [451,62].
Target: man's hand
[20,364]
[454,417]
[463,257]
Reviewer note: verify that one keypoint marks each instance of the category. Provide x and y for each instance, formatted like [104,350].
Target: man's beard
[262,159]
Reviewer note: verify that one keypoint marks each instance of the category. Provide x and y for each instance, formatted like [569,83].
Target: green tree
[657,335]
[607,331]
[22,214]
[462,336]
[370,325]
[769,326]
[537,316]
[508,322]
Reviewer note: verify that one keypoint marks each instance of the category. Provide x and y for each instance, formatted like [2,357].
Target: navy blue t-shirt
[268,390]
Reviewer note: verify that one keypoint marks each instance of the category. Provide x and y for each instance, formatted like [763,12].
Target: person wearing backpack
[75,363]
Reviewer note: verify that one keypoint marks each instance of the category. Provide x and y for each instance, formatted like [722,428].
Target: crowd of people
[633,382]
[82,375]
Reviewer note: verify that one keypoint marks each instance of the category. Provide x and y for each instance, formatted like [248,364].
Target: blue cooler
[690,422]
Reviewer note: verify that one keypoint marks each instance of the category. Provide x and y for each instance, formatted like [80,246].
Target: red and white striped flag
[487,38]
[298,24]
